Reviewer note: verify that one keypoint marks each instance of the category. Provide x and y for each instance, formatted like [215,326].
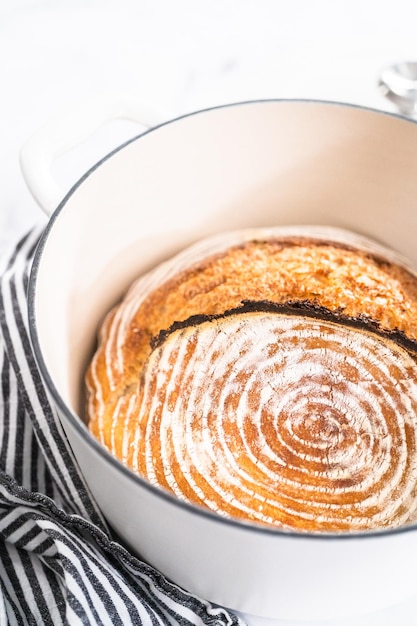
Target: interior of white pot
[253,164]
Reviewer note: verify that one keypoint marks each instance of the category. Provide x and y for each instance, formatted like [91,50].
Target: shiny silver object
[398,83]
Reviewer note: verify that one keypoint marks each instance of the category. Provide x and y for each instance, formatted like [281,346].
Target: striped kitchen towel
[59,563]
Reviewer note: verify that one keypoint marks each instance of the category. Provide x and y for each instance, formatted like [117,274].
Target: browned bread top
[331,274]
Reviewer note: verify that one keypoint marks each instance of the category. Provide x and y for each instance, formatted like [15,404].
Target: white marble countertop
[182,56]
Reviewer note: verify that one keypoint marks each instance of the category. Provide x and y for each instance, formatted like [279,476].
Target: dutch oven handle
[69,128]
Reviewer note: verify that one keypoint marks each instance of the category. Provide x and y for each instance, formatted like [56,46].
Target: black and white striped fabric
[58,561]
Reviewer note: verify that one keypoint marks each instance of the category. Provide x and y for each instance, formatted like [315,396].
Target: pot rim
[76,421]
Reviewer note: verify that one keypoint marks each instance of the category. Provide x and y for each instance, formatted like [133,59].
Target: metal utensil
[398,83]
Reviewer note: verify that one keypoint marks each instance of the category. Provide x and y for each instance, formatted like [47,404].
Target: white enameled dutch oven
[249,164]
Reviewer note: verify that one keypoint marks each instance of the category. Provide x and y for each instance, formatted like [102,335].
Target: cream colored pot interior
[253,164]
[249,165]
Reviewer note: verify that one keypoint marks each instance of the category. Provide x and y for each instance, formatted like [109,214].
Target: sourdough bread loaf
[269,376]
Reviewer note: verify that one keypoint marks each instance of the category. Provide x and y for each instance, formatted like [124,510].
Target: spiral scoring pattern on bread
[285,420]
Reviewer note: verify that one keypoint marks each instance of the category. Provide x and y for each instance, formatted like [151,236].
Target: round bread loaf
[270,376]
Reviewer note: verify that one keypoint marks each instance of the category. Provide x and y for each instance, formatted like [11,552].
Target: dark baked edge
[302,308]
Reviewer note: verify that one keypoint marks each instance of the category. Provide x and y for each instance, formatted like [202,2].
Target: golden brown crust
[311,424]
[333,275]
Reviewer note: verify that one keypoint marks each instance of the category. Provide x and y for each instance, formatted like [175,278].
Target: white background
[179,56]
[182,55]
